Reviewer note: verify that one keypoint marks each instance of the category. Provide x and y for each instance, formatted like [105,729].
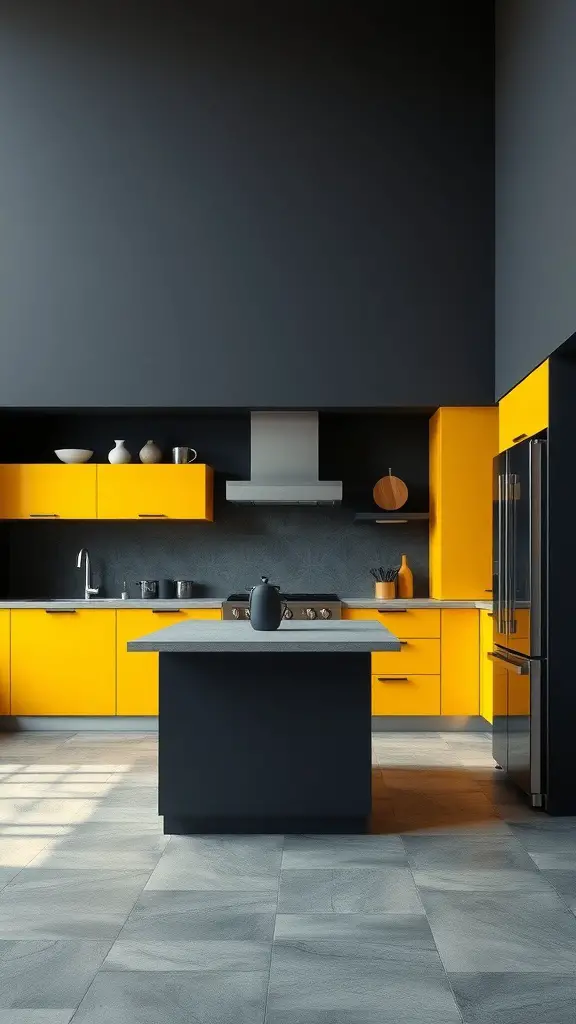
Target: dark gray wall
[309,549]
[535,174]
[245,204]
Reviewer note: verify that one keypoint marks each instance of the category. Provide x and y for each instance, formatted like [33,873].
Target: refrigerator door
[518,721]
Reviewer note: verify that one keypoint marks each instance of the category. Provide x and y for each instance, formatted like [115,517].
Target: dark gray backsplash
[312,549]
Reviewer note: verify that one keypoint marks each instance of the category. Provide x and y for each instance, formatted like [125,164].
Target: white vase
[150,452]
[119,455]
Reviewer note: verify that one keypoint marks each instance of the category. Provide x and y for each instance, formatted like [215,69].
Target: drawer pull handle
[151,515]
[392,679]
[391,611]
[60,611]
[44,515]
[166,611]
[519,438]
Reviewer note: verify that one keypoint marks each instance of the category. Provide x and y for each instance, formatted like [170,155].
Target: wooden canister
[385,590]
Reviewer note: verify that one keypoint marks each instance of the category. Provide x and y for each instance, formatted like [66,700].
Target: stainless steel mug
[148,589]
[184,589]
[183,455]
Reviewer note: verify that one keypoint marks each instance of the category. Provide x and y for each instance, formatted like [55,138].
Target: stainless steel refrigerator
[519,590]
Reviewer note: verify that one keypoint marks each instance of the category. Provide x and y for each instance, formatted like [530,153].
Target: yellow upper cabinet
[463,443]
[524,410]
[155,492]
[36,491]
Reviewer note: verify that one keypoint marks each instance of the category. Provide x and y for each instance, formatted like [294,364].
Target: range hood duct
[284,463]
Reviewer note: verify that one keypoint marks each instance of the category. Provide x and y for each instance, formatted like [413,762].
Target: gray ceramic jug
[266,608]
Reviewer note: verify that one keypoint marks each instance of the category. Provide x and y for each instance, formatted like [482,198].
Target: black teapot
[265,605]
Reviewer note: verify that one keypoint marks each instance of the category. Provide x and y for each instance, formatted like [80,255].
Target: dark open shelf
[390,517]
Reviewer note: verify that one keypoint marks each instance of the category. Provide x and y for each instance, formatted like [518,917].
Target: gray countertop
[237,637]
[216,602]
[116,602]
[413,602]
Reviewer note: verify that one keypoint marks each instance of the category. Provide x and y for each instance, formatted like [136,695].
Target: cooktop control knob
[288,613]
[325,613]
[310,613]
[235,613]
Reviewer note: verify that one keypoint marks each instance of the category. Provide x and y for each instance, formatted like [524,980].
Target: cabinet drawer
[415,656]
[404,624]
[409,695]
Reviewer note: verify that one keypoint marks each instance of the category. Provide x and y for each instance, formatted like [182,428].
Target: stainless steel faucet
[88,590]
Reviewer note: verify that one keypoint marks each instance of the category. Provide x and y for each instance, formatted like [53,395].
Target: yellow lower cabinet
[420,657]
[137,673]
[5,662]
[405,695]
[486,666]
[412,622]
[460,662]
[63,663]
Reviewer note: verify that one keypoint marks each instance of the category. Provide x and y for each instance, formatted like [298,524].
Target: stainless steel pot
[148,589]
[184,589]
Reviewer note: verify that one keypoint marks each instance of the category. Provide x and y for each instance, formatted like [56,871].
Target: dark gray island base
[261,735]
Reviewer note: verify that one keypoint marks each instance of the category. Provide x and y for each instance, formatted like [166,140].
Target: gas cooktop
[297,606]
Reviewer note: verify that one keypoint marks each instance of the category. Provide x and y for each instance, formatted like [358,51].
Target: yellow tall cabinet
[137,672]
[486,666]
[463,443]
[524,410]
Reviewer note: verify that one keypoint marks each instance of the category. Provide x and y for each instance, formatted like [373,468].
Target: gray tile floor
[460,906]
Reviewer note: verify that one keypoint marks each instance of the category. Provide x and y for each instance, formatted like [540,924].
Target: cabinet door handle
[391,611]
[60,611]
[43,515]
[392,679]
[166,611]
[151,515]
[519,438]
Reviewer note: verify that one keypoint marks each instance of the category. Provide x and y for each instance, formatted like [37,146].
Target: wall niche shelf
[390,518]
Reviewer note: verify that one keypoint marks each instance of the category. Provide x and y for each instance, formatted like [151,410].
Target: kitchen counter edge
[217,602]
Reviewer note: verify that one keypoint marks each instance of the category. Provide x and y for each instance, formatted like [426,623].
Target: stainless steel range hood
[284,463]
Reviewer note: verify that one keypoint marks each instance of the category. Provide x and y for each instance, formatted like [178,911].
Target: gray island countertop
[224,637]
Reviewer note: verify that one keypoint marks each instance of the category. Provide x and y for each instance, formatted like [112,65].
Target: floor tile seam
[265,1014]
[417,887]
[131,911]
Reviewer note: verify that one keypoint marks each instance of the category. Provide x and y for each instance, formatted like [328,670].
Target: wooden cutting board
[390,492]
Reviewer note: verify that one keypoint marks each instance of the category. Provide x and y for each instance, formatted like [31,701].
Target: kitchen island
[264,732]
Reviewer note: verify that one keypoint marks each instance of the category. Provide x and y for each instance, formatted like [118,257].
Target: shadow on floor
[417,799]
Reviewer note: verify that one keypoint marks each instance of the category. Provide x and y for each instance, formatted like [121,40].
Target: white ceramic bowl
[74,454]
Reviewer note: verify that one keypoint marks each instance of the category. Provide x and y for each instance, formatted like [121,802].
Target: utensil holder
[385,590]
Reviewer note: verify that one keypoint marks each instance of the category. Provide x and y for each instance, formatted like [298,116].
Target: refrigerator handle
[506,552]
[536,546]
[513,496]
